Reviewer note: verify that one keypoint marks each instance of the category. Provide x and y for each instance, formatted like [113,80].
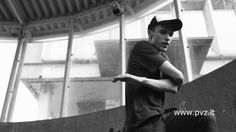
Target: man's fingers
[114,80]
[119,78]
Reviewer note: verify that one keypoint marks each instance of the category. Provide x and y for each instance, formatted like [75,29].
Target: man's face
[161,37]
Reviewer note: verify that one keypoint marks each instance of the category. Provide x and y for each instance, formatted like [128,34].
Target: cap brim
[173,24]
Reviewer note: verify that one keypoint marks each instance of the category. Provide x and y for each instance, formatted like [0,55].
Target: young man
[149,75]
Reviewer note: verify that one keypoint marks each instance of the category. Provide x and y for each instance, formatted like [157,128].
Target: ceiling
[45,18]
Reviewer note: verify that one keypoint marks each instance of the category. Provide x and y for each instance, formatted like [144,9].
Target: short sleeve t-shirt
[143,102]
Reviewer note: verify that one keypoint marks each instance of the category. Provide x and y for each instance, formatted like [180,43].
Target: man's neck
[151,42]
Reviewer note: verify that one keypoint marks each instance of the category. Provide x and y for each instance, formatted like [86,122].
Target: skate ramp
[217,91]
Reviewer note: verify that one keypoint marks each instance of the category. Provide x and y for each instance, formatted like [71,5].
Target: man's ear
[150,33]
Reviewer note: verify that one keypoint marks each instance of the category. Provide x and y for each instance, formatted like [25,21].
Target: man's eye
[163,32]
[171,34]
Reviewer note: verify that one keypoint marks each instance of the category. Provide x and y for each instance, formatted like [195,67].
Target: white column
[122,49]
[12,80]
[210,25]
[17,81]
[66,82]
[184,44]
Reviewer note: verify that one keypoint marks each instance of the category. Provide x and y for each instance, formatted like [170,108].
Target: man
[149,75]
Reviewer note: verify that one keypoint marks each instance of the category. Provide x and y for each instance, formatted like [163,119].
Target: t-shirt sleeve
[149,57]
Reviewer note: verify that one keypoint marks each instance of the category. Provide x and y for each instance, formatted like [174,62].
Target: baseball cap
[173,24]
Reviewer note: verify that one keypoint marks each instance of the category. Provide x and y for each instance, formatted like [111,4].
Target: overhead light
[116,9]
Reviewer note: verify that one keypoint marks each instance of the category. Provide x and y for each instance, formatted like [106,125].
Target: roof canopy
[44,18]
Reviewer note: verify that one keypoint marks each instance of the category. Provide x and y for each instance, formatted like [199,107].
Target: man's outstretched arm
[164,85]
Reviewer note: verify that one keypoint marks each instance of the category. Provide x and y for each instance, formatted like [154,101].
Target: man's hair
[152,28]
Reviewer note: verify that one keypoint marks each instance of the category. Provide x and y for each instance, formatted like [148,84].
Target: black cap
[173,24]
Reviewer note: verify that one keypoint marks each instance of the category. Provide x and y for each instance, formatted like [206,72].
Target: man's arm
[164,85]
[176,75]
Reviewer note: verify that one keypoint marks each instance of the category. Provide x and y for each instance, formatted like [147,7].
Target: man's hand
[123,78]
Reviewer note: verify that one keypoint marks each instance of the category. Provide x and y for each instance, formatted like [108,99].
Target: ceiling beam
[80,26]
[109,21]
[78,5]
[13,24]
[29,10]
[52,5]
[94,2]
[102,1]
[129,9]
[16,11]
[5,13]
[144,8]
[85,4]
[1,16]
[69,5]
[77,16]
[36,7]
[45,8]
[61,6]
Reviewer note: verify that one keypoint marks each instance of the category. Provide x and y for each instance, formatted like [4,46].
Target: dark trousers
[179,123]
[188,123]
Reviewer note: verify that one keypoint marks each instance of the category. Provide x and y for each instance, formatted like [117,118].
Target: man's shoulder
[144,46]
[142,43]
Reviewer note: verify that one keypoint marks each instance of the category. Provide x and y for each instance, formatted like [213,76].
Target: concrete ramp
[105,121]
[216,90]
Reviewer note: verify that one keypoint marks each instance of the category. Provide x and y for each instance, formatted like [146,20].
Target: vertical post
[66,82]
[210,25]
[122,49]
[12,80]
[16,84]
[184,44]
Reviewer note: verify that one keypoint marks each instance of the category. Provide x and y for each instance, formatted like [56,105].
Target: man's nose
[167,38]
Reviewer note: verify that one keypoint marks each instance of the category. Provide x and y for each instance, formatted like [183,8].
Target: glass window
[223,48]
[223,4]
[41,81]
[133,30]
[206,26]
[91,95]
[95,62]
[24,99]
